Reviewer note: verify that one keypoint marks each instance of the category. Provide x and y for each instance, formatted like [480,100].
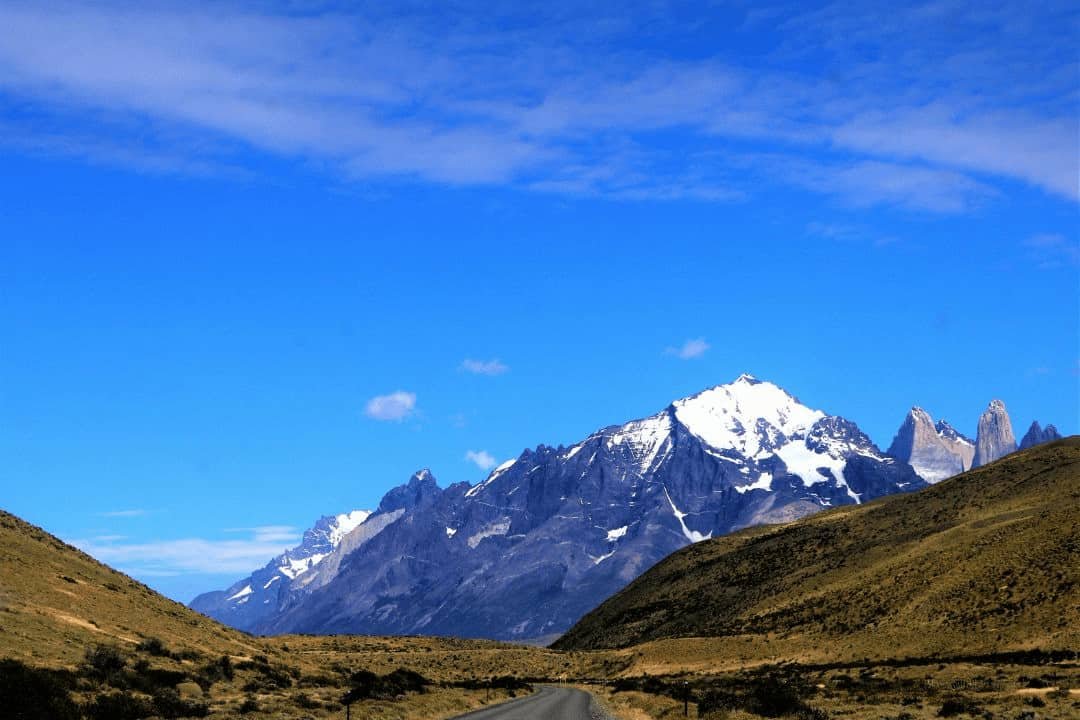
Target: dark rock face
[936,451]
[549,535]
[1037,435]
[995,436]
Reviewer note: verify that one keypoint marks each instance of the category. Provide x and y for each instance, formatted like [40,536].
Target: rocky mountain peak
[1037,435]
[421,489]
[995,437]
[947,431]
[935,450]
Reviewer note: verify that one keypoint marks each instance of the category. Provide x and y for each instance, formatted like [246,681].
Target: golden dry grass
[985,562]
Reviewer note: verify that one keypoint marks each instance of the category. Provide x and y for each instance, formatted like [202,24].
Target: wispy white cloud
[123,513]
[395,406]
[481,458]
[849,233]
[484,367]
[270,533]
[165,558]
[872,182]
[690,349]
[1042,152]
[528,96]
[1050,251]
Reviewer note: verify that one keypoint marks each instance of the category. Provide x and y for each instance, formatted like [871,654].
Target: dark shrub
[118,706]
[33,694]
[169,704]
[303,700]
[365,684]
[215,671]
[153,646]
[502,682]
[103,662]
[270,678]
[768,696]
[148,679]
[713,700]
[249,705]
[403,681]
[773,697]
[957,706]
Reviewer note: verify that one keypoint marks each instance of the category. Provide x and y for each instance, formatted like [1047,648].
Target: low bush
[34,694]
[365,685]
[103,662]
[958,706]
[153,646]
[219,670]
[303,700]
[121,705]
[169,704]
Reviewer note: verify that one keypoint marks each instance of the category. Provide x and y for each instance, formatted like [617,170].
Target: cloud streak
[484,367]
[123,513]
[557,99]
[1050,251]
[165,558]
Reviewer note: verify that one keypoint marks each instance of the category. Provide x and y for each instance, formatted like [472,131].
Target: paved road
[548,703]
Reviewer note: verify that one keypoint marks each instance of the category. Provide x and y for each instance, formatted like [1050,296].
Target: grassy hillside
[986,562]
[55,600]
[817,612]
[106,646]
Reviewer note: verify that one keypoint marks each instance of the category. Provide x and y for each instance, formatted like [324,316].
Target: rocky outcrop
[1037,435]
[935,451]
[995,437]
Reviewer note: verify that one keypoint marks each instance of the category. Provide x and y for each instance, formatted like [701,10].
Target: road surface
[548,703]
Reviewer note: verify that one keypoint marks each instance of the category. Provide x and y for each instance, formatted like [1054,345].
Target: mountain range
[986,562]
[937,450]
[550,534]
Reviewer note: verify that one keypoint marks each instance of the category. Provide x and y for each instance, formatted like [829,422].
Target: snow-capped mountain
[553,532]
[936,451]
[249,601]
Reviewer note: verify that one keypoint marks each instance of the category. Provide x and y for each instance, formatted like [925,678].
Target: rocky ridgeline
[938,451]
[552,533]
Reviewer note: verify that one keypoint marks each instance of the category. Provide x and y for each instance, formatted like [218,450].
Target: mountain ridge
[985,561]
[570,525]
[259,590]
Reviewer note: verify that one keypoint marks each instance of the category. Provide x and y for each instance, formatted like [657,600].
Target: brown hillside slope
[986,562]
[57,603]
[55,600]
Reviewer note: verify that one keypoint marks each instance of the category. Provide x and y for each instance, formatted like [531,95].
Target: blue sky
[261,262]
